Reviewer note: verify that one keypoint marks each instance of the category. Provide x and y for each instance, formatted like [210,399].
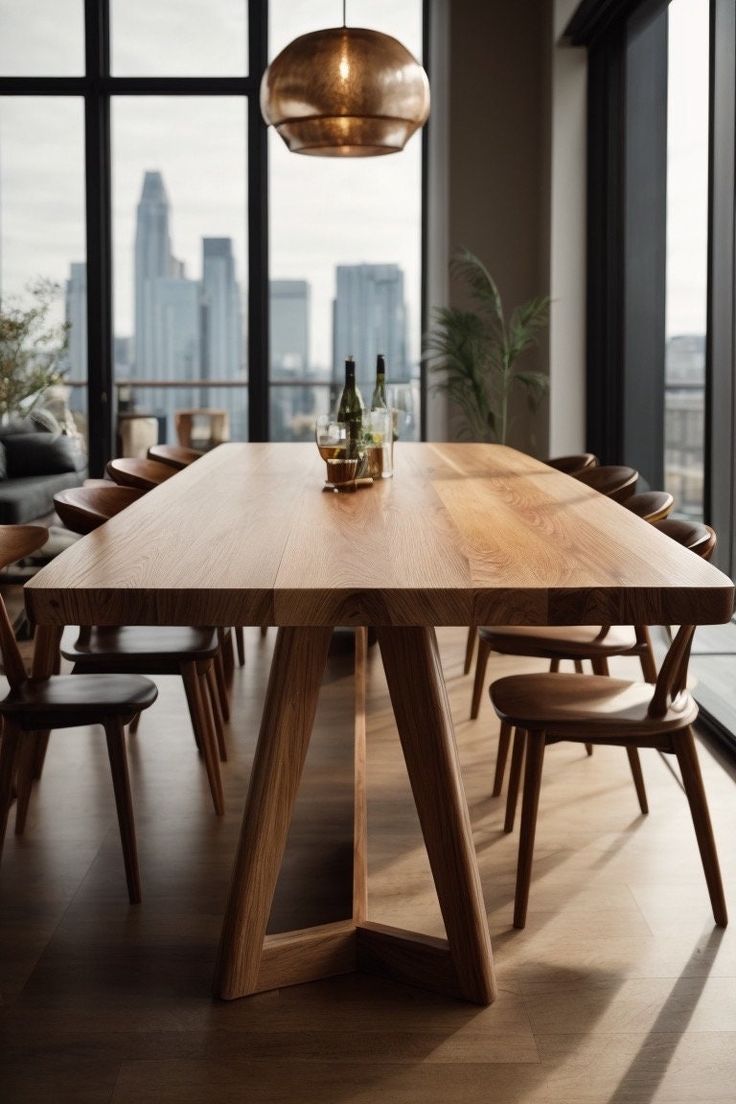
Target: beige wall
[508,125]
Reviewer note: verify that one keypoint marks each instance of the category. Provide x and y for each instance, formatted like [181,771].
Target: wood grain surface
[464,534]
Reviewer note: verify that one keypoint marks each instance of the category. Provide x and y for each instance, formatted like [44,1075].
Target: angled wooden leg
[213,694]
[532,786]
[46,658]
[203,725]
[24,776]
[684,746]
[264,630]
[504,742]
[636,774]
[222,686]
[360,829]
[421,707]
[484,650]
[115,734]
[9,744]
[646,657]
[578,666]
[554,665]
[133,726]
[517,759]
[240,641]
[469,649]
[289,709]
[600,666]
[225,638]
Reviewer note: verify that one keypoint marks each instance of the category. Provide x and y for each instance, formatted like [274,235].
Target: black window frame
[97,87]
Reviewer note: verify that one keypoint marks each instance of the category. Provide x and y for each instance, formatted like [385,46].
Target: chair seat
[573,641]
[146,649]
[64,701]
[586,707]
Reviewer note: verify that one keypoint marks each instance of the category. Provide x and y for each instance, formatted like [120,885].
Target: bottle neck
[350,374]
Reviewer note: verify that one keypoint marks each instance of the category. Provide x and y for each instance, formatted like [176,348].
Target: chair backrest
[672,678]
[573,464]
[614,481]
[176,456]
[83,509]
[140,473]
[16,542]
[651,505]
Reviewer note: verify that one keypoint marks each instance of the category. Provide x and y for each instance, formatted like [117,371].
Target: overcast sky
[323,211]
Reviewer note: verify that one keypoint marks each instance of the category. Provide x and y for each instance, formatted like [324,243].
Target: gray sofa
[34,465]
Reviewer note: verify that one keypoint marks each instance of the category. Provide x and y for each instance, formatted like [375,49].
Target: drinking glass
[403,399]
[333,441]
[379,449]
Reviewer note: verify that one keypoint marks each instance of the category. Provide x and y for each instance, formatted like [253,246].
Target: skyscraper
[153,261]
[222,344]
[289,328]
[177,337]
[369,317]
[75,311]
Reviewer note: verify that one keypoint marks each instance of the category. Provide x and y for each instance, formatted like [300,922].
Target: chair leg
[532,785]
[469,649]
[692,780]
[588,749]
[240,641]
[39,758]
[219,721]
[225,638]
[554,666]
[484,650]
[203,724]
[24,776]
[264,630]
[646,658]
[578,666]
[600,665]
[133,726]
[115,734]
[504,741]
[223,695]
[8,756]
[635,764]
[517,759]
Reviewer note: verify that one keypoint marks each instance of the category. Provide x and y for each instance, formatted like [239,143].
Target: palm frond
[471,270]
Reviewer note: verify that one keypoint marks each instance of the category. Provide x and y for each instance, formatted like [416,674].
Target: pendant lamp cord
[344,5]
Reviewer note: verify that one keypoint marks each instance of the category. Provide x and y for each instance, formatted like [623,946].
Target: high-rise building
[289,338]
[369,317]
[222,339]
[177,334]
[153,261]
[75,304]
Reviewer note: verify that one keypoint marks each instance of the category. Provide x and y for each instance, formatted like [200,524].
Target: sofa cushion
[3,462]
[23,500]
[40,454]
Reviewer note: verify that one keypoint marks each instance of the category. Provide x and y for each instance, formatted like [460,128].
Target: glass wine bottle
[350,410]
[380,447]
[378,402]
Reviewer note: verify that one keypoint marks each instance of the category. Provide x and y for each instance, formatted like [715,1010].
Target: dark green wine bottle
[378,402]
[350,410]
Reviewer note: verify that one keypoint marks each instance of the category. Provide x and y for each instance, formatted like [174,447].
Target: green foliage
[32,348]
[476,353]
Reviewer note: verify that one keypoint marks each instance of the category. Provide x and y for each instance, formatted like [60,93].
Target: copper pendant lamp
[345,92]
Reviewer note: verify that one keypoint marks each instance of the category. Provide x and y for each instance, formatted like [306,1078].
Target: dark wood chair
[547,709]
[83,509]
[64,701]
[614,481]
[651,505]
[139,473]
[574,464]
[176,456]
[192,653]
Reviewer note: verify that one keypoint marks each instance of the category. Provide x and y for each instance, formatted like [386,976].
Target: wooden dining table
[464,534]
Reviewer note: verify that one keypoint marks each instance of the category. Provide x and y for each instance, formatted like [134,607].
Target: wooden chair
[141,474]
[64,701]
[573,465]
[577,643]
[548,708]
[192,653]
[651,505]
[186,423]
[174,455]
[614,481]
[83,509]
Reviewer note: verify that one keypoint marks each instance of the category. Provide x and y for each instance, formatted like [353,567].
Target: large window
[134,172]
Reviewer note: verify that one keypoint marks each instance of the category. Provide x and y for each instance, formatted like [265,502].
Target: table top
[463,534]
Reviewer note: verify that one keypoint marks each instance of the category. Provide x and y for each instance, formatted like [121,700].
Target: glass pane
[179,38]
[687,253]
[42,234]
[41,38]
[179,217]
[345,238]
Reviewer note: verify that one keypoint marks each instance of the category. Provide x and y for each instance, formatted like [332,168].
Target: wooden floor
[619,991]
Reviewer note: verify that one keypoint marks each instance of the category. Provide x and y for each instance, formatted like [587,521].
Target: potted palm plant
[476,353]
